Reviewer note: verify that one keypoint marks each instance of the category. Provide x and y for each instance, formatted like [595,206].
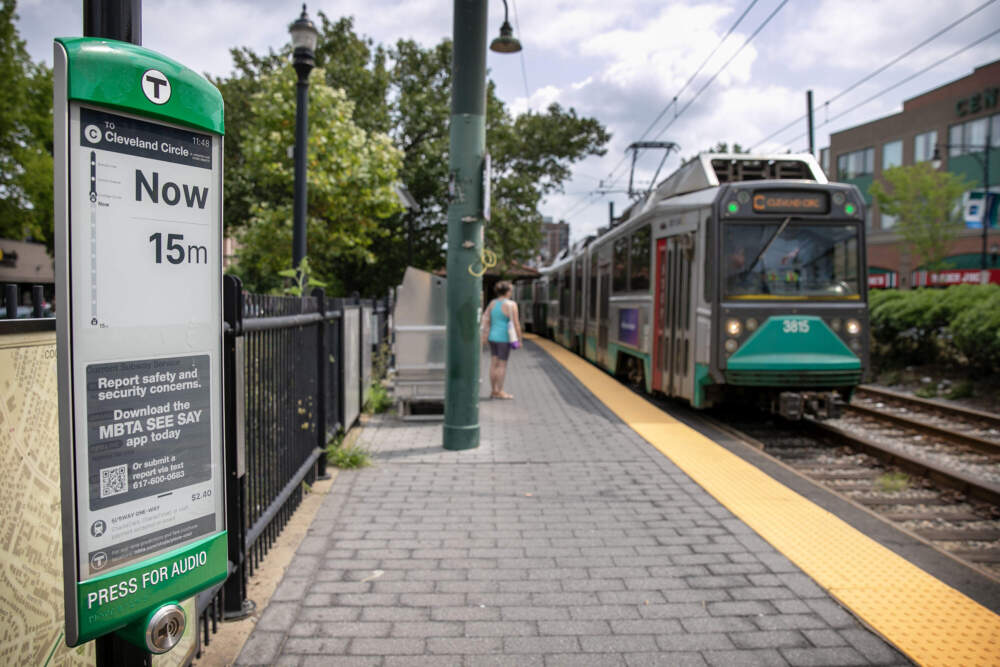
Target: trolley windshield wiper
[770,242]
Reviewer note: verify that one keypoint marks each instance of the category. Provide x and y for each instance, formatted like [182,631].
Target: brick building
[955,121]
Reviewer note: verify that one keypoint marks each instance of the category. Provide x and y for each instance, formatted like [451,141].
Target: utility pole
[809,114]
[465,224]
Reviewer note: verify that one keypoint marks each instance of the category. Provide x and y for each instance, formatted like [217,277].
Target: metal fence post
[322,364]
[10,295]
[235,605]
[37,296]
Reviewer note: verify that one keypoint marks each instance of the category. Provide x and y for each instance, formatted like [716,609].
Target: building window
[970,136]
[892,154]
[923,146]
[858,163]
[824,160]
[888,221]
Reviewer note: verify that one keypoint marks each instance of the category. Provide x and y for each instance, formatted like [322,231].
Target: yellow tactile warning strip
[926,619]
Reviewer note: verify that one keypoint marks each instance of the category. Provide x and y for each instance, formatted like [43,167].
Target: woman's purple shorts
[500,350]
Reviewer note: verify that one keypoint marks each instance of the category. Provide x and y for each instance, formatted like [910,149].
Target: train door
[603,308]
[660,347]
[672,351]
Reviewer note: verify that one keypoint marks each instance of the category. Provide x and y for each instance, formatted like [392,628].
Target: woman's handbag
[512,336]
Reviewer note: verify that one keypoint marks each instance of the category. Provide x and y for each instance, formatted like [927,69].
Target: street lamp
[304,36]
[506,42]
[984,162]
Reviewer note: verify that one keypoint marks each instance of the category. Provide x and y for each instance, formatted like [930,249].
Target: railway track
[934,483]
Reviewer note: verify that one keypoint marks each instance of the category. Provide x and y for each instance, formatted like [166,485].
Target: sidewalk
[564,539]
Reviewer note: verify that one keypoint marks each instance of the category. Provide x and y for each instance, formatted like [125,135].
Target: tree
[350,183]
[406,91]
[924,202]
[532,155]
[25,139]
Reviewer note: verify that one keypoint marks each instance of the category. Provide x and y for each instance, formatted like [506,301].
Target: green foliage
[405,91]
[379,399]
[927,391]
[346,456]
[891,378]
[962,389]
[925,202]
[977,331]
[301,278]
[893,482]
[26,206]
[350,177]
[959,324]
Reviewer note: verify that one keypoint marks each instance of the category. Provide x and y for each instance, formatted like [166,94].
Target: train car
[739,278]
[524,295]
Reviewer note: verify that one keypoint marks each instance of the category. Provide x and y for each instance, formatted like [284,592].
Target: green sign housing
[138,175]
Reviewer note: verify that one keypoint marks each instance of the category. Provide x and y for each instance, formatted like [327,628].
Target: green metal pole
[465,225]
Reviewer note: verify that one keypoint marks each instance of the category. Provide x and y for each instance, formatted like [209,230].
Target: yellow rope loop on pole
[487,260]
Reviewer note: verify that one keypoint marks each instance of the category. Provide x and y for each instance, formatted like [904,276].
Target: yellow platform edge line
[929,621]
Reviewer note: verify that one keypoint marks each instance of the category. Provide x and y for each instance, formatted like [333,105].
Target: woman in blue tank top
[500,311]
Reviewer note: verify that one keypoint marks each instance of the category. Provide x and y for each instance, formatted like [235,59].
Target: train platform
[592,528]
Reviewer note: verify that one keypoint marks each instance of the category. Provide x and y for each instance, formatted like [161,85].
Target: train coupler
[794,405]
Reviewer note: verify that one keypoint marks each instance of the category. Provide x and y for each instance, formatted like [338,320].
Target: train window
[620,275]
[592,301]
[709,260]
[794,261]
[639,260]
[578,288]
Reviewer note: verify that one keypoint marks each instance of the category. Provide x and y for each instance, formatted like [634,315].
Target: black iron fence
[296,372]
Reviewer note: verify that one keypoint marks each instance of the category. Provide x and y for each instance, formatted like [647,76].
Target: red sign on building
[953,277]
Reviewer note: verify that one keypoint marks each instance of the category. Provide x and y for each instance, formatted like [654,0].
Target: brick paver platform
[564,539]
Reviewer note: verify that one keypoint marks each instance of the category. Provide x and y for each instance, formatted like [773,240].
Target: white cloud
[620,62]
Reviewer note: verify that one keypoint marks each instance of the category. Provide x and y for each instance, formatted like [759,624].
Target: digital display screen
[790,201]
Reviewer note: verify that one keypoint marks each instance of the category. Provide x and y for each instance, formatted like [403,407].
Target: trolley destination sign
[139,153]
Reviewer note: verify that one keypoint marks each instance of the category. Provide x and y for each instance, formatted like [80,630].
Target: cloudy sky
[624,62]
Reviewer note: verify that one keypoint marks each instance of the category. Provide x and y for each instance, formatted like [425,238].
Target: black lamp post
[304,36]
[984,162]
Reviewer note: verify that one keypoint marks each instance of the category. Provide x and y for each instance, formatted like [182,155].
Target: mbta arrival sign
[138,173]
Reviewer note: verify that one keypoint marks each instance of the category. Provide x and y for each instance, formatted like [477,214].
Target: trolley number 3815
[795,326]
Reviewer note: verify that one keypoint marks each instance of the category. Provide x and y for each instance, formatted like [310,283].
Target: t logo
[155,86]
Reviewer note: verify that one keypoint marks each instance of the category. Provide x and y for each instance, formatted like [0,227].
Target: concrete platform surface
[564,539]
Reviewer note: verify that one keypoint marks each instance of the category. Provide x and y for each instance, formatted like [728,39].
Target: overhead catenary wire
[877,71]
[611,175]
[905,80]
[724,66]
[704,62]
[524,71]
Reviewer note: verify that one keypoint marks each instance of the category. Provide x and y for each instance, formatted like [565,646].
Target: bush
[960,324]
[976,333]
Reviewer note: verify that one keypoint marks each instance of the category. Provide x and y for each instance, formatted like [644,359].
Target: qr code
[114,480]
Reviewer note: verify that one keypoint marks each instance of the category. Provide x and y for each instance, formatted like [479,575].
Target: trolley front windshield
[787,259]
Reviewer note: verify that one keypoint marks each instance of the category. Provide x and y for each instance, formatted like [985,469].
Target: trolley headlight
[731,344]
[853,327]
[836,324]
[751,324]
[733,327]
